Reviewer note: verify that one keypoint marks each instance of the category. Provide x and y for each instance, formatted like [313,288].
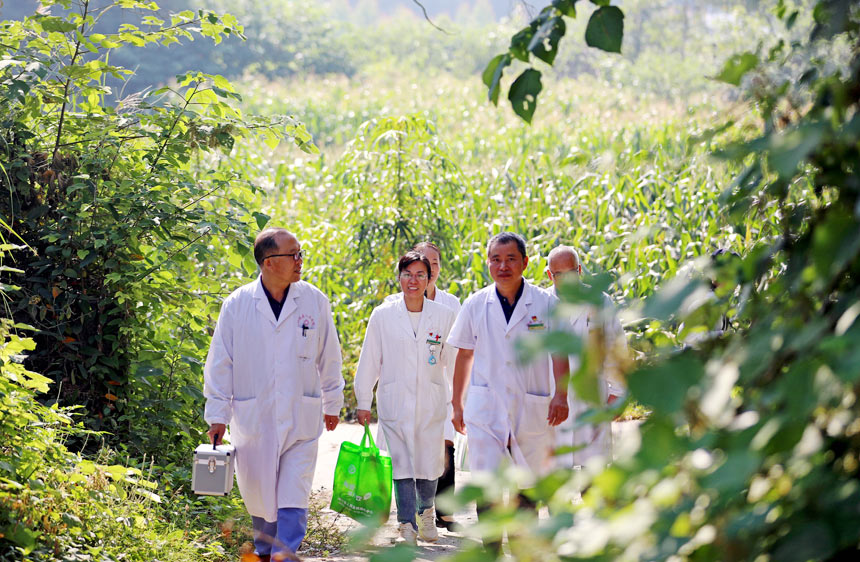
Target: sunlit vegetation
[126,222]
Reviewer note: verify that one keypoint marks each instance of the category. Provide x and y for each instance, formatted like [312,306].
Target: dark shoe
[265,557]
[443,524]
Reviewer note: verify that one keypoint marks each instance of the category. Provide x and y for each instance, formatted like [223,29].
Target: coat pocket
[480,407]
[306,343]
[245,424]
[387,406]
[309,424]
[437,402]
[534,414]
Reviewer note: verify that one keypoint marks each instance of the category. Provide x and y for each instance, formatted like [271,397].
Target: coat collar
[290,305]
[520,312]
[403,317]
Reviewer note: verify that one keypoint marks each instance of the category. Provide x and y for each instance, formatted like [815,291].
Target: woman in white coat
[404,351]
[446,481]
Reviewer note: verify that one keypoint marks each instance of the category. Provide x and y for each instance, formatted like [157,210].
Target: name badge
[433,344]
[306,323]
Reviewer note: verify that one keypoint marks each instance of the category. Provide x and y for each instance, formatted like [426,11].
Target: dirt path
[329,447]
[626,435]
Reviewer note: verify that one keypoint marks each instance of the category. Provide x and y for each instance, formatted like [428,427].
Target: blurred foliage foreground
[752,448]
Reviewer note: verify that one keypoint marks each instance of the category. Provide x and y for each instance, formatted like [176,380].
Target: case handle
[215,440]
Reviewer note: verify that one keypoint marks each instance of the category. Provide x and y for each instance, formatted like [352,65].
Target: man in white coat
[273,374]
[510,410]
[596,326]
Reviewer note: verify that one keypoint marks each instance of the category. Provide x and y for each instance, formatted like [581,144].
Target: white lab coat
[596,439]
[271,380]
[506,399]
[412,397]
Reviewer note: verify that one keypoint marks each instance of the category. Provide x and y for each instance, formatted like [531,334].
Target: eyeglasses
[409,276]
[300,255]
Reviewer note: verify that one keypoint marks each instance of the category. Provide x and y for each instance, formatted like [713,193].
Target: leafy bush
[121,203]
[56,505]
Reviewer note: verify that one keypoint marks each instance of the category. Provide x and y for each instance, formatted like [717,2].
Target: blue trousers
[287,533]
[405,492]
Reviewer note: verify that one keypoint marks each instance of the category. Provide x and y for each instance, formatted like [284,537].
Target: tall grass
[616,173]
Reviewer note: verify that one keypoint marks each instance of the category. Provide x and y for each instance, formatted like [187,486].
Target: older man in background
[596,326]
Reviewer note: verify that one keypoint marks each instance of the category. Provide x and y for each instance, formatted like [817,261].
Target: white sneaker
[407,533]
[427,525]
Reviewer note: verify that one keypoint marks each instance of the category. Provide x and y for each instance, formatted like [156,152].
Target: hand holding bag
[362,481]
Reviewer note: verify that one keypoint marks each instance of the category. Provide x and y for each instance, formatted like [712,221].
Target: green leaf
[586,386]
[524,92]
[809,540]
[676,296]
[72,520]
[733,475]
[22,537]
[735,68]
[544,44]
[493,75]
[660,442]
[605,29]
[520,42]
[664,387]
[262,219]
[790,148]
[584,290]
[55,24]
[566,7]
[529,346]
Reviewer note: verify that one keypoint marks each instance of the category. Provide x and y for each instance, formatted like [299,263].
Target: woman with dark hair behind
[446,481]
[404,351]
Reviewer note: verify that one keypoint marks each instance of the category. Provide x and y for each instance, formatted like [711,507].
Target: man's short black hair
[411,257]
[505,238]
[266,242]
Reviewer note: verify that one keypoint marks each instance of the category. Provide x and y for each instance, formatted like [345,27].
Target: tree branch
[427,17]
[66,87]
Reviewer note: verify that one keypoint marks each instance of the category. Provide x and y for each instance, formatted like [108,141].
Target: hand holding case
[213,468]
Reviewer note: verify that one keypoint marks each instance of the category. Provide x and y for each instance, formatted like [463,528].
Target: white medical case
[212,473]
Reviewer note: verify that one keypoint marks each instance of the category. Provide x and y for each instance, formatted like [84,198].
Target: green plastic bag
[362,481]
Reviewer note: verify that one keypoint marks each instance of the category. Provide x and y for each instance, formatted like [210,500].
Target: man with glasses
[511,407]
[273,374]
[597,326]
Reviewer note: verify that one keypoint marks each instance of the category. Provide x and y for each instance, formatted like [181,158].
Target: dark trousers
[446,481]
